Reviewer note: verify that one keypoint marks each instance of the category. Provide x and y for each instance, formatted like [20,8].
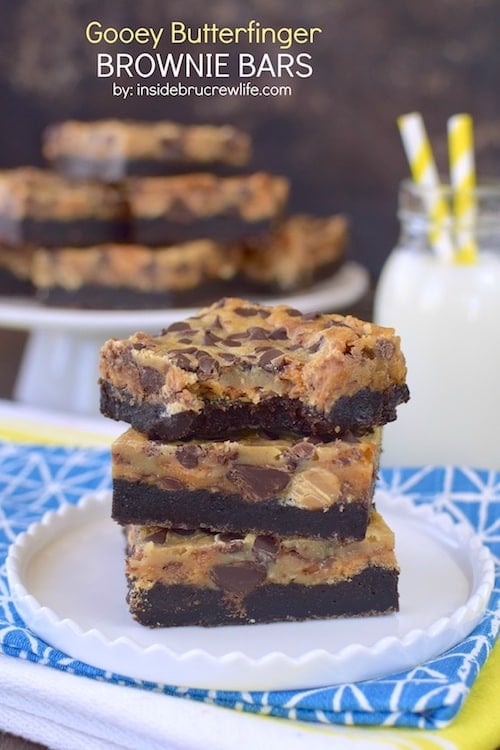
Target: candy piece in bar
[134,276]
[110,149]
[167,210]
[296,253]
[42,208]
[238,365]
[285,486]
[198,578]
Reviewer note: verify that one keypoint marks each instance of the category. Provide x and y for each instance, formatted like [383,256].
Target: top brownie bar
[238,365]
[112,149]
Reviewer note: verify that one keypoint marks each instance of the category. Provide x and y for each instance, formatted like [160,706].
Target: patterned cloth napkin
[35,479]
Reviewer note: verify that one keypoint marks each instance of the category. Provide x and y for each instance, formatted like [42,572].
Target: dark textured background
[335,137]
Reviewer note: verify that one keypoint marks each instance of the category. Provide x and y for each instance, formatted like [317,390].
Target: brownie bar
[133,276]
[296,253]
[41,208]
[174,209]
[197,578]
[286,486]
[111,149]
[238,365]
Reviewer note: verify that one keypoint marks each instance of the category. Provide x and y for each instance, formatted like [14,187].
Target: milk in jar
[448,317]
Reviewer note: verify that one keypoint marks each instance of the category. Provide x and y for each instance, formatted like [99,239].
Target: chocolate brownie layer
[371,592]
[240,572]
[157,232]
[116,170]
[166,209]
[134,276]
[112,149]
[138,503]
[357,414]
[78,232]
[43,208]
[239,365]
[286,486]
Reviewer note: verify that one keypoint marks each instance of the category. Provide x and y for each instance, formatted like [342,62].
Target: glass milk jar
[447,314]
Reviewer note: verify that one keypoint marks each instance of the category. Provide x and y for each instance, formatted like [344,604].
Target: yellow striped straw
[424,172]
[463,182]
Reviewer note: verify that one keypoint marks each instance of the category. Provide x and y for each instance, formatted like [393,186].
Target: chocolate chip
[185,341]
[231,342]
[246,312]
[138,346]
[228,357]
[265,549]
[293,313]
[181,325]
[256,332]
[239,579]
[311,316]
[258,482]
[316,346]
[157,537]
[336,324]
[151,380]
[268,359]
[217,322]
[183,362]
[188,455]
[209,339]
[278,334]
[208,367]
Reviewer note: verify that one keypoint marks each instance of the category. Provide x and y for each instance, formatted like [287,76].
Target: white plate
[66,577]
[344,288]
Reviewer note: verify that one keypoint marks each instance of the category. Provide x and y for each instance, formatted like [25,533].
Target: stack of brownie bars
[144,215]
[245,483]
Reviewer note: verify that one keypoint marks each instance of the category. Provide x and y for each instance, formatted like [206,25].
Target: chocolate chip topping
[209,339]
[265,549]
[268,359]
[279,334]
[208,367]
[188,455]
[238,579]
[257,332]
[246,312]
[258,482]
[157,537]
[311,316]
[181,325]
[151,380]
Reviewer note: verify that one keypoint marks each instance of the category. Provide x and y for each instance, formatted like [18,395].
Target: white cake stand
[59,369]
